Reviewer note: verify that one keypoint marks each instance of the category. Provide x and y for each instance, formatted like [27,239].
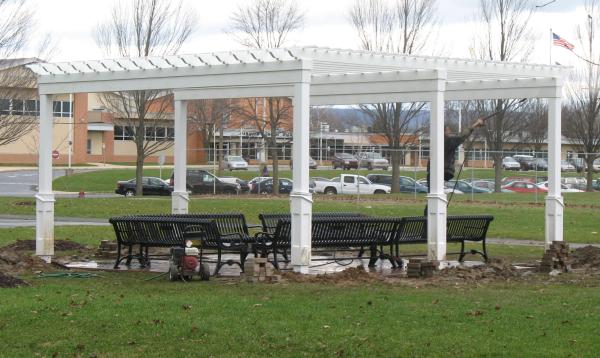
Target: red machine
[185,263]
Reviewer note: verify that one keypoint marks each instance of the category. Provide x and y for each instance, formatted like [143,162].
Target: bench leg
[373,258]
[129,255]
[485,255]
[462,251]
[119,258]
[275,262]
[219,264]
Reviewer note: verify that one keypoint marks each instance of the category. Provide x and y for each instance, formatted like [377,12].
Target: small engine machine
[185,263]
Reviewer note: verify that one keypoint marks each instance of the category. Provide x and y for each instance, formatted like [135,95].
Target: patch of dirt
[14,262]
[7,281]
[495,269]
[29,245]
[350,276]
[24,203]
[586,257]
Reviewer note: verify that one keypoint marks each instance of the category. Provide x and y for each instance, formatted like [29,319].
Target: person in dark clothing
[451,144]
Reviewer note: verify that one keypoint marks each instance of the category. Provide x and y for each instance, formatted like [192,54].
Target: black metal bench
[233,235]
[172,230]
[269,221]
[148,231]
[341,233]
[459,229]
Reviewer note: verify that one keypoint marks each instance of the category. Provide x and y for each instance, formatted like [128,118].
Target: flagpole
[551,44]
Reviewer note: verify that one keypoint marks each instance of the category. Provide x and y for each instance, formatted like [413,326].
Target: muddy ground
[18,259]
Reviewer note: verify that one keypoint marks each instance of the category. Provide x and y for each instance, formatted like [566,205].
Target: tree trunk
[275,160]
[589,160]
[139,168]
[497,172]
[396,157]
[220,166]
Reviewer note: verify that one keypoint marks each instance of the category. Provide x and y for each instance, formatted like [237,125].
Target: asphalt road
[11,221]
[23,183]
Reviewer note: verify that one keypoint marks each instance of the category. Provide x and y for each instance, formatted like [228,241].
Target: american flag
[559,41]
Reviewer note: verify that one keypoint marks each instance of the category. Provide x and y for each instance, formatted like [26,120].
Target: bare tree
[582,111]
[402,27]
[536,123]
[17,84]
[266,24]
[141,28]
[506,36]
[209,116]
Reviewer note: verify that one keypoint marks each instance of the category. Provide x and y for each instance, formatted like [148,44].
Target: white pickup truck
[350,184]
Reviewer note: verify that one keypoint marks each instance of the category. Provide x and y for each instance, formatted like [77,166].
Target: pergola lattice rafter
[309,75]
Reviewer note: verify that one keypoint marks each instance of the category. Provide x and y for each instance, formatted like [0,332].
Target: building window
[123,133]
[17,107]
[4,106]
[32,107]
[62,109]
[89,146]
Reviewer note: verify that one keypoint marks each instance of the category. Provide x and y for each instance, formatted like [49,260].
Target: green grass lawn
[517,220]
[121,314]
[105,180]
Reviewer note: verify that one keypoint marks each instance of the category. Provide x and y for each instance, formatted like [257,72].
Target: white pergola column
[436,199]
[180,197]
[554,199]
[44,225]
[300,198]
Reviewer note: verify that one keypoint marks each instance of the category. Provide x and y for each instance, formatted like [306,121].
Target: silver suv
[372,160]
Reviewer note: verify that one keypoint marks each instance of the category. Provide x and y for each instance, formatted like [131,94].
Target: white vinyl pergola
[309,76]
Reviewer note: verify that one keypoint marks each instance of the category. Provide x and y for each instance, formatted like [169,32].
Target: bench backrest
[333,232]
[159,231]
[458,228]
[228,223]
[467,227]
[269,221]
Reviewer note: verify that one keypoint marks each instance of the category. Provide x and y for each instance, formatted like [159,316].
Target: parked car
[575,183]
[524,187]
[563,188]
[508,180]
[597,184]
[407,185]
[565,166]
[150,186]
[265,186]
[509,163]
[540,164]
[235,162]
[467,188]
[578,163]
[488,184]
[199,181]
[344,161]
[447,190]
[312,164]
[350,184]
[244,188]
[372,160]
[596,165]
[527,162]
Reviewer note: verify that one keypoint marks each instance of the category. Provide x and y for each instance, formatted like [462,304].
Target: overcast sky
[70,24]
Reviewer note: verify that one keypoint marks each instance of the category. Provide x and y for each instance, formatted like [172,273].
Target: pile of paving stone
[107,249]
[258,269]
[418,268]
[556,257]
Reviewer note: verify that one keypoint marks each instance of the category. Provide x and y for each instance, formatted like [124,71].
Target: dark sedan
[344,161]
[266,186]
[150,186]
[407,185]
